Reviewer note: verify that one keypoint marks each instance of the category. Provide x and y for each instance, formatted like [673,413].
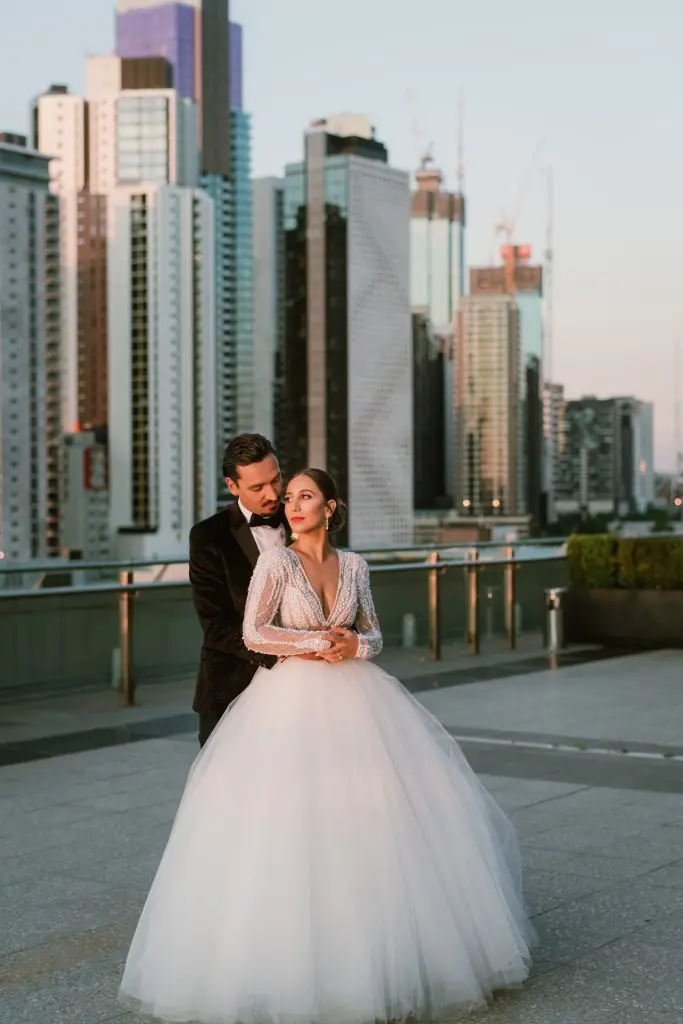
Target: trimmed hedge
[604,562]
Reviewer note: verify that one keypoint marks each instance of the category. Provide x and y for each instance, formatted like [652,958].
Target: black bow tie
[274,521]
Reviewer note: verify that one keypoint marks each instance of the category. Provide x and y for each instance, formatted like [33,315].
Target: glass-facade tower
[437,286]
[347,346]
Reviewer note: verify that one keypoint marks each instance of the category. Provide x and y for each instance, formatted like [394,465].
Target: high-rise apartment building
[524,282]
[30,354]
[437,279]
[269,304]
[60,131]
[161,328]
[489,434]
[243,269]
[605,457]
[80,134]
[162,451]
[348,347]
[205,53]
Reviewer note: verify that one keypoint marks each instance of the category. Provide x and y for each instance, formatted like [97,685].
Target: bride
[334,859]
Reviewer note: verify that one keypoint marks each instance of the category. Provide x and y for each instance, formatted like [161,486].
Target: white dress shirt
[266,537]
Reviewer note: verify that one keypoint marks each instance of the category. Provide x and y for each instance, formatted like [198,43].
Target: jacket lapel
[243,535]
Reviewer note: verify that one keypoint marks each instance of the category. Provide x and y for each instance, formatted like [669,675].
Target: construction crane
[425,151]
[507,224]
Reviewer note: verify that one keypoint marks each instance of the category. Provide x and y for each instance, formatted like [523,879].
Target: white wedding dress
[334,859]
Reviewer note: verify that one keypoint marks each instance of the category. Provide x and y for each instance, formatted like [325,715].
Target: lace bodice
[284,616]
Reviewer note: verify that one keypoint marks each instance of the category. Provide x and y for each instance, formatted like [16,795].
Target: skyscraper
[205,53]
[348,349]
[60,131]
[161,357]
[524,282]
[194,37]
[430,354]
[437,280]
[437,244]
[30,356]
[80,133]
[488,421]
[161,364]
[269,303]
[243,269]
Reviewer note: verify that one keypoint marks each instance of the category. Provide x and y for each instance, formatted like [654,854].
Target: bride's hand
[330,636]
[344,646]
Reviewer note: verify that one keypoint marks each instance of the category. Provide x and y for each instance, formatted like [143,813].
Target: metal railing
[54,566]
[434,566]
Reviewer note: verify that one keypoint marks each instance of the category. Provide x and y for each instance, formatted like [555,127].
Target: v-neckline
[326,619]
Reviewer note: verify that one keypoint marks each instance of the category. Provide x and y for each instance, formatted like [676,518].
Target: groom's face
[258,486]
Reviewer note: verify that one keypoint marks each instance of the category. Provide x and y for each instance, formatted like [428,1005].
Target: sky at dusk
[593,88]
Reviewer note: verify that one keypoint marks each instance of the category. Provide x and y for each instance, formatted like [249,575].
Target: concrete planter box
[629,619]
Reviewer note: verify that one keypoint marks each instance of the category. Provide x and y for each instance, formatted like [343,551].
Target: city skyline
[615,196]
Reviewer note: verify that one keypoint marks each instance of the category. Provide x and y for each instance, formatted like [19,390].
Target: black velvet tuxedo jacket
[223,554]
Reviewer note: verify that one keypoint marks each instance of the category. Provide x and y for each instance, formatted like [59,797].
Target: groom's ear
[232,487]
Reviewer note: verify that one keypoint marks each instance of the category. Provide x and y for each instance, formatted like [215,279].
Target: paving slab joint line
[580,747]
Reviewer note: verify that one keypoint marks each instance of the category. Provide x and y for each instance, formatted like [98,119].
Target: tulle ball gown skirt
[334,860]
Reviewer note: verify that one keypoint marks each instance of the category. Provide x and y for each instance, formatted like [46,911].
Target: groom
[223,552]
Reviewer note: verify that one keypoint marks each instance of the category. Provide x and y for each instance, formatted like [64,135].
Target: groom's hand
[344,645]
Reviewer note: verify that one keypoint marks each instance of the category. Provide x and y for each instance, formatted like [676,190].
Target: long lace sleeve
[263,603]
[366,624]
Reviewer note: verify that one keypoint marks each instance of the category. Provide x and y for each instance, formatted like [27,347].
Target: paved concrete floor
[81,835]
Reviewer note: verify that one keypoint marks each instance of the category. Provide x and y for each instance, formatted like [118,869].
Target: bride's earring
[327,522]
[294,536]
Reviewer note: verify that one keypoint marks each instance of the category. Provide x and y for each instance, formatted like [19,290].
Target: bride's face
[305,505]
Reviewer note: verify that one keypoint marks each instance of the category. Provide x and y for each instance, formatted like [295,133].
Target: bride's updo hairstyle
[328,488]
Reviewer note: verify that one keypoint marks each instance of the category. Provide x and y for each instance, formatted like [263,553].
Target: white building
[130,167]
[380,356]
[269,299]
[30,396]
[162,451]
[488,422]
[348,351]
[60,133]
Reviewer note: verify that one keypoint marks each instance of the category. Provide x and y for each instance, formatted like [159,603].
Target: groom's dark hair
[245,450]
